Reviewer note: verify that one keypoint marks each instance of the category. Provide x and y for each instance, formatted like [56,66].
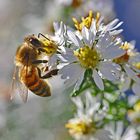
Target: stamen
[87,21]
[88,57]
[80,127]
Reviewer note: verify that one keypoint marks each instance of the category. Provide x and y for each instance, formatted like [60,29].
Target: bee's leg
[47,75]
[39,61]
[40,50]
[40,34]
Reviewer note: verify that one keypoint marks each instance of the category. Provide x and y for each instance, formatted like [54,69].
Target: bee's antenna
[40,34]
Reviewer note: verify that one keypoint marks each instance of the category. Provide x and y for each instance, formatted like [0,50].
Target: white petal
[130,134]
[112,52]
[93,27]
[104,41]
[136,89]
[112,24]
[79,104]
[119,130]
[118,25]
[102,135]
[79,81]
[116,32]
[109,70]
[68,56]
[59,28]
[98,80]
[88,36]
[125,84]
[132,74]
[56,26]
[74,39]
[52,60]
[71,73]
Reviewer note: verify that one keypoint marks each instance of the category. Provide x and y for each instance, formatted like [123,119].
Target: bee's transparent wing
[18,86]
[13,84]
[23,91]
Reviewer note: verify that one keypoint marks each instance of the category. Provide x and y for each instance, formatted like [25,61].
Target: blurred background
[44,118]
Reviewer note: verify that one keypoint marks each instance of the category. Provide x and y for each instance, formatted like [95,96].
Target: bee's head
[32,41]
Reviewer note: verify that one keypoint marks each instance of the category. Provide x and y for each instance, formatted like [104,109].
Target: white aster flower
[89,52]
[84,126]
[119,132]
[128,81]
[130,63]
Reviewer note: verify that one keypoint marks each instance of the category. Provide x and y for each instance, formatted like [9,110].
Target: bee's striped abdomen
[36,85]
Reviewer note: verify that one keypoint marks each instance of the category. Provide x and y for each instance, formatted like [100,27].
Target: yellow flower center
[50,46]
[134,112]
[124,58]
[88,57]
[137,107]
[137,65]
[81,127]
[86,21]
[125,46]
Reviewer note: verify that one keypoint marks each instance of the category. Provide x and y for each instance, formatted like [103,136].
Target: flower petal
[109,70]
[131,74]
[71,73]
[74,39]
[112,52]
[98,80]
[125,84]
[68,56]
[79,81]
[136,89]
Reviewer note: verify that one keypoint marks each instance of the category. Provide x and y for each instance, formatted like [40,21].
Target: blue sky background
[128,11]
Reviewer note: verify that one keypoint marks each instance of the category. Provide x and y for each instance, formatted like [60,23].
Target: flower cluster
[95,48]
[94,58]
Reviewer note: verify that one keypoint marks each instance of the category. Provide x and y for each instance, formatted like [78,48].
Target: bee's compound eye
[35,42]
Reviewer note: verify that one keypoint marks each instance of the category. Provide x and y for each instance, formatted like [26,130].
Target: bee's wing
[13,83]
[17,85]
[23,91]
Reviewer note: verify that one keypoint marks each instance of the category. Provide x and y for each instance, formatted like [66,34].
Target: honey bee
[29,75]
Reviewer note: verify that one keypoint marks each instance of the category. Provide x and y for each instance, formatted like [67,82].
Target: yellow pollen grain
[88,57]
